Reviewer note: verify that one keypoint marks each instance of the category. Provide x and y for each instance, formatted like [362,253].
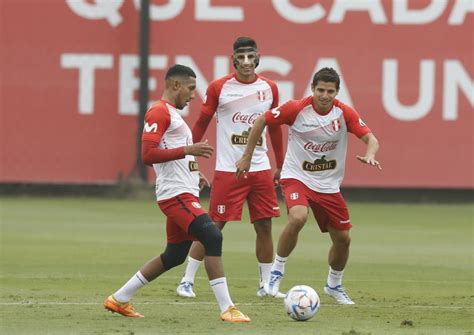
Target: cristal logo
[149,128]
[321,147]
[245,118]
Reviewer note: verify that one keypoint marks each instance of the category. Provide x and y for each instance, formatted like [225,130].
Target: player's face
[186,90]
[323,95]
[245,62]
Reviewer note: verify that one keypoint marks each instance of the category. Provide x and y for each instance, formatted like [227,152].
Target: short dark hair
[246,42]
[328,75]
[179,70]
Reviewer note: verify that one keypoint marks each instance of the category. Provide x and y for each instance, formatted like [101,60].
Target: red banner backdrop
[69,84]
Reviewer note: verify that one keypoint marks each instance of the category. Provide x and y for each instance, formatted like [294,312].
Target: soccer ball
[301,303]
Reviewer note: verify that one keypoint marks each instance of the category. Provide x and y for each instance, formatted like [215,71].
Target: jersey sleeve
[354,123]
[276,138]
[157,121]
[275,92]
[200,126]
[276,95]
[285,114]
[211,100]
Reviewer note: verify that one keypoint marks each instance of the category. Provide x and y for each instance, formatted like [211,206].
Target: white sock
[219,286]
[264,270]
[191,269]
[334,277]
[279,264]
[126,292]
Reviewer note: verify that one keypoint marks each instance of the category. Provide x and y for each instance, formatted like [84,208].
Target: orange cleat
[232,314]
[125,309]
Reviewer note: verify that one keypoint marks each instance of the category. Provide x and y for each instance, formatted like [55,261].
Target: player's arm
[372,148]
[152,154]
[276,136]
[208,110]
[200,126]
[285,114]
[243,164]
[358,127]
[156,123]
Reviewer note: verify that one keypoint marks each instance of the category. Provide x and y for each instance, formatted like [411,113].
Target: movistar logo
[149,128]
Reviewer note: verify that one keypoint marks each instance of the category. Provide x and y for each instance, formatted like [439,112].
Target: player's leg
[297,204]
[263,251]
[263,206]
[333,217]
[173,255]
[337,259]
[211,238]
[297,216]
[195,258]
[339,251]
[225,202]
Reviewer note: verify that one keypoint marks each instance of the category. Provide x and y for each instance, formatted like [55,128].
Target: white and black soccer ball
[301,303]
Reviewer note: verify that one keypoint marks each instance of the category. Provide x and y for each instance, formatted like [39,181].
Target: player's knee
[263,227]
[213,241]
[342,240]
[297,219]
[175,254]
[346,241]
[208,234]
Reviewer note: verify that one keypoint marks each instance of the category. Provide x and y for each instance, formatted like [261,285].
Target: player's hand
[369,160]
[203,181]
[276,177]
[199,149]
[243,166]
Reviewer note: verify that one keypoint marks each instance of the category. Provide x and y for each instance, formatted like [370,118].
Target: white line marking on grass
[59,303]
[177,278]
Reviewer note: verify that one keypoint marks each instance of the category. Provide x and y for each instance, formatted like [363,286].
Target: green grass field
[410,272]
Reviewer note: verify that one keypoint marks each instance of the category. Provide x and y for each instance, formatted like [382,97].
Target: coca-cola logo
[245,118]
[321,147]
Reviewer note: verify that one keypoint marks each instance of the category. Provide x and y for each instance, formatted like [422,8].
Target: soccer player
[237,100]
[167,145]
[313,171]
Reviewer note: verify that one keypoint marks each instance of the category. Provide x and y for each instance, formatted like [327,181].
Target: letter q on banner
[102,9]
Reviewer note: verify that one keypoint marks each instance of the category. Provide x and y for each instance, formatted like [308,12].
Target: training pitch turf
[410,272]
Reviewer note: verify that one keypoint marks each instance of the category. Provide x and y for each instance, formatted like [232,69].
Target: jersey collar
[246,82]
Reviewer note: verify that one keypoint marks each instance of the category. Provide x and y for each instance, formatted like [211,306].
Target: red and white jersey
[317,144]
[237,105]
[165,126]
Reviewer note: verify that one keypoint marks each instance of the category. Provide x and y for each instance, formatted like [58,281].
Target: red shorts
[180,211]
[228,194]
[328,209]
